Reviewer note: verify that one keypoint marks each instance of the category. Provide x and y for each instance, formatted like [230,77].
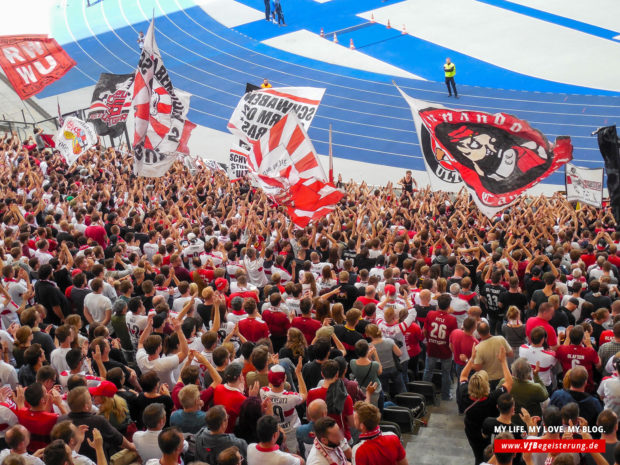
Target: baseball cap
[390,289]
[191,237]
[220,284]
[276,375]
[75,272]
[105,389]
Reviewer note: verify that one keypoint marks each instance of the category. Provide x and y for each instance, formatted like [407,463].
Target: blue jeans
[446,379]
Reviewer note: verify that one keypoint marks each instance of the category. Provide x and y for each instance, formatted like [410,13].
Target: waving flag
[609,145]
[111,104]
[284,163]
[161,127]
[74,138]
[584,185]
[32,62]
[497,156]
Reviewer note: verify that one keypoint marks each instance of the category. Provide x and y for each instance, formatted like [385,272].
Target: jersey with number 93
[438,327]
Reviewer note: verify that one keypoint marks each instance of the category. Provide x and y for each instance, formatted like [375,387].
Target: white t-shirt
[609,392]
[135,326]
[28,459]
[148,448]
[256,272]
[58,359]
[163,366]
[8,375]
[546,358]
[97,305]
[284,404]
[260,456]
[315,457]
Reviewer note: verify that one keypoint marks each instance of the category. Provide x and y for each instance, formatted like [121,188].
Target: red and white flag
[32,62]
[286,150]
[161,127]
[284,163]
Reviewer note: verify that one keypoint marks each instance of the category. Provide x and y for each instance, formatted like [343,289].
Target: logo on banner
[74,138]
[116,108]
[437,160]
[32,62]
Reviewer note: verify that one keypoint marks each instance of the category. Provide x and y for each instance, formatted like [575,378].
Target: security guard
[450,70]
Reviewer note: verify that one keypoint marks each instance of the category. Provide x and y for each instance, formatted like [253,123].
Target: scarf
[324,451]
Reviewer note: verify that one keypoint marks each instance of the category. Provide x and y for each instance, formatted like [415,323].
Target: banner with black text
[584,185]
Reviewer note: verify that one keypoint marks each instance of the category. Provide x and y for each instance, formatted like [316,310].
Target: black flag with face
[610,149]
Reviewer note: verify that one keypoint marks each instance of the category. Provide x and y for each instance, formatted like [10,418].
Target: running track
[371,122]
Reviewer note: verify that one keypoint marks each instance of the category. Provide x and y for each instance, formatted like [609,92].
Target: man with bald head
[424,306]
[17,439]
[305,433]
[487,352]
[369,297]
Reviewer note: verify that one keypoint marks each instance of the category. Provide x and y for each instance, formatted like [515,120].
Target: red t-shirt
[413,337]
[308,326]
[438,328]
[376,447]
[39,424]
[606,336]
[245,295]
[253,329]
[588,259]
[366,300]
[614,260]
[572,355]
[552,337]
[277,321]
[321,393]
[96,233]
[462,343]
[231,399]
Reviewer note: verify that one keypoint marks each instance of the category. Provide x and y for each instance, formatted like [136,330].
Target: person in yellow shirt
[450,70]
[266,85]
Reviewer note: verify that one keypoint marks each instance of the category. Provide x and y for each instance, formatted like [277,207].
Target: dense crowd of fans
[187,319]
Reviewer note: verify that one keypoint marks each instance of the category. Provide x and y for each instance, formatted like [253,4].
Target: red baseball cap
[390,289]
[105,389]
[75,272]
[220,284]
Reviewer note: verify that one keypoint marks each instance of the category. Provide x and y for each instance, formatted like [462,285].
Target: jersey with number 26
[438,327]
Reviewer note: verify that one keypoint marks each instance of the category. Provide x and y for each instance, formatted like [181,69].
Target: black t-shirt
[561,319]
[508,299]
[347,295]
[286,352]
[477,411]
[348,338]
[143,402]
[492,426]
[48,295]
[539,297]
[63,279]
[364,263]
[492,294]
[311,373]
[532,283]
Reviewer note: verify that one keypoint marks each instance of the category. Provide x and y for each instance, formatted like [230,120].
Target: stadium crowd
[186,319]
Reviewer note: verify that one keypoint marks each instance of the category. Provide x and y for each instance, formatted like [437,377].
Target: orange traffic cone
[388,25]
[372,18]
[404,29]
[335,38]
[351,46]
[322,33]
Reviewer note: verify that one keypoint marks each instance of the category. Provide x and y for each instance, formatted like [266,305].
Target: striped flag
[284,163]
[284,147]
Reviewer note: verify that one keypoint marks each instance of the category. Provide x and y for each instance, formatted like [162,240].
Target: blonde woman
[308,285]
[477,401]
[112,407]
[388,353]
[338,314]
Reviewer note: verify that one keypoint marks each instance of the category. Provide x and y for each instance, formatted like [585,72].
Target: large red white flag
[32,62]
[161,127]
[284,163]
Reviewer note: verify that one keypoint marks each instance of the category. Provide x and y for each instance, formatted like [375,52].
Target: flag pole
[331,156]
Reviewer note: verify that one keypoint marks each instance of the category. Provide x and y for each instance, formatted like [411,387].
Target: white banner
[161,129]
[584,185]
[238,161]
[74,138]
[261,109]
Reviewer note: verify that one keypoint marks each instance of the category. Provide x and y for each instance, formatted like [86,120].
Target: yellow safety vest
[450,70]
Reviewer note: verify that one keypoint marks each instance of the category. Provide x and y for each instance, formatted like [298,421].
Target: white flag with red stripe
[161,127]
